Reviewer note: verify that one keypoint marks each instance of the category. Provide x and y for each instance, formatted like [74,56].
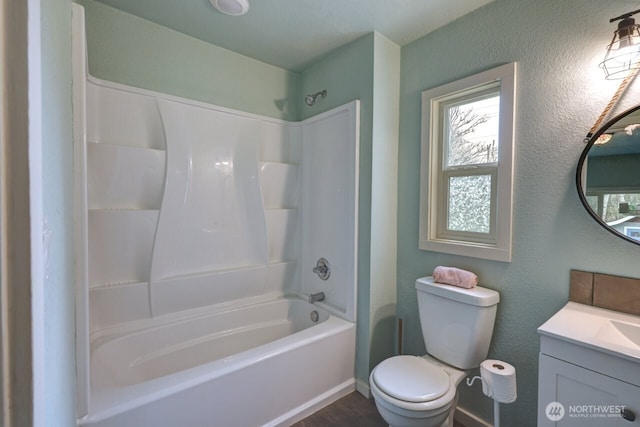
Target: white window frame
[496,245]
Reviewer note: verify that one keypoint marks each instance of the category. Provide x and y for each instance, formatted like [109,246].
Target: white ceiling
[292,33]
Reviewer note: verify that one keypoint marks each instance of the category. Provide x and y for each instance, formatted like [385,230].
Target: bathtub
[259,364]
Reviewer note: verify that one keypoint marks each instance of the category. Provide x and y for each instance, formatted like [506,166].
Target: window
[467,165]
[613,205]
[618,208]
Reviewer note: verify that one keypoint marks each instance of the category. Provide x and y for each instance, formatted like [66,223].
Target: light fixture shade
[231,7]
[623,53]
[603,139]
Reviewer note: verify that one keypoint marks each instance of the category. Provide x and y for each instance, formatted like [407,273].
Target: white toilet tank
[457,323]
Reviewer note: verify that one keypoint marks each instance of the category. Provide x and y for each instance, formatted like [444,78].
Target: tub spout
[316,297]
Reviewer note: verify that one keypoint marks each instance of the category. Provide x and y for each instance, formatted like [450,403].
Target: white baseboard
[362,387]
[464,416]
[315,404]
[469,419]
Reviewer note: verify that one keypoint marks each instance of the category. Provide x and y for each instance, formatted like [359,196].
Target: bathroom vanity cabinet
[576,388]
[589,372]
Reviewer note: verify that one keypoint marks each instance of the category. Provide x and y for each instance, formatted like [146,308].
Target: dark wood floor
[353,410]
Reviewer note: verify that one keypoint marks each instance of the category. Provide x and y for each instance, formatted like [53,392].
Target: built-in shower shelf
[124,177]
[264,162]
[282,209]
[283,263]
[125,145]
[120,244]
[122,116]
[118,303]
[187,291]
[213,272]
[122,284]
[132,209]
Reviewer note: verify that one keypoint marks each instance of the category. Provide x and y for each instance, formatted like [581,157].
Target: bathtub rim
[114,331]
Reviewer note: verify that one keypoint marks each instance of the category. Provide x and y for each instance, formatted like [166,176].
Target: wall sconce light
[623,53]
[622,61]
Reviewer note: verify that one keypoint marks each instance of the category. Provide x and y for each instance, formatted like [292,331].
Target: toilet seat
[411,379]
[436,404]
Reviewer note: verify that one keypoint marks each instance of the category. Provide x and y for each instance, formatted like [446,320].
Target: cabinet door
[571,396]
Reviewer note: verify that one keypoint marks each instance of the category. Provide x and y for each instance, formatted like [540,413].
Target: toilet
[457,324]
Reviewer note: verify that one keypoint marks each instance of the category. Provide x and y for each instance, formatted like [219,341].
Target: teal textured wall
[614,171]
[129,50]
[560,93]
[57,204]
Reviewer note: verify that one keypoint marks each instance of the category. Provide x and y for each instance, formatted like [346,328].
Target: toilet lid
[411,378]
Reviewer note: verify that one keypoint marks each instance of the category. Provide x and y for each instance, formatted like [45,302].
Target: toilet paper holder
[486,386]
[470,381]
[487,389]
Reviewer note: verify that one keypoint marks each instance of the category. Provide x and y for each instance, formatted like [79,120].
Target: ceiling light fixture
[231,7]
[623,53]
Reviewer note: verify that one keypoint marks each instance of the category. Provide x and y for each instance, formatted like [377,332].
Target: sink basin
[620,333]
[603,330]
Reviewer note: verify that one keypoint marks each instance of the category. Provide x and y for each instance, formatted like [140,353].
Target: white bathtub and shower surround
[189,213]
[215,196]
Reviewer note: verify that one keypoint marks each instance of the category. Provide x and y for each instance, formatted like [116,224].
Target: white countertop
[600,329]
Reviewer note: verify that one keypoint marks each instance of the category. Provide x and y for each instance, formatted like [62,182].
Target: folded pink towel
[455,276]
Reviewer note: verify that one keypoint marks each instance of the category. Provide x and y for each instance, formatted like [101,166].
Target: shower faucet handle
[322,269]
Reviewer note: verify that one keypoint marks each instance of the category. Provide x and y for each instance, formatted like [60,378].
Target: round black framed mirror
[608,176]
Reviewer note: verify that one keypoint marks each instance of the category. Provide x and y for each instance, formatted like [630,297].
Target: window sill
[474,250]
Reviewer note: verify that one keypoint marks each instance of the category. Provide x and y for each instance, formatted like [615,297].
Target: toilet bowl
[412,391]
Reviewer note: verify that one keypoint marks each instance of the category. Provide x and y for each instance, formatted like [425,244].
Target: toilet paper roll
[498,380]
